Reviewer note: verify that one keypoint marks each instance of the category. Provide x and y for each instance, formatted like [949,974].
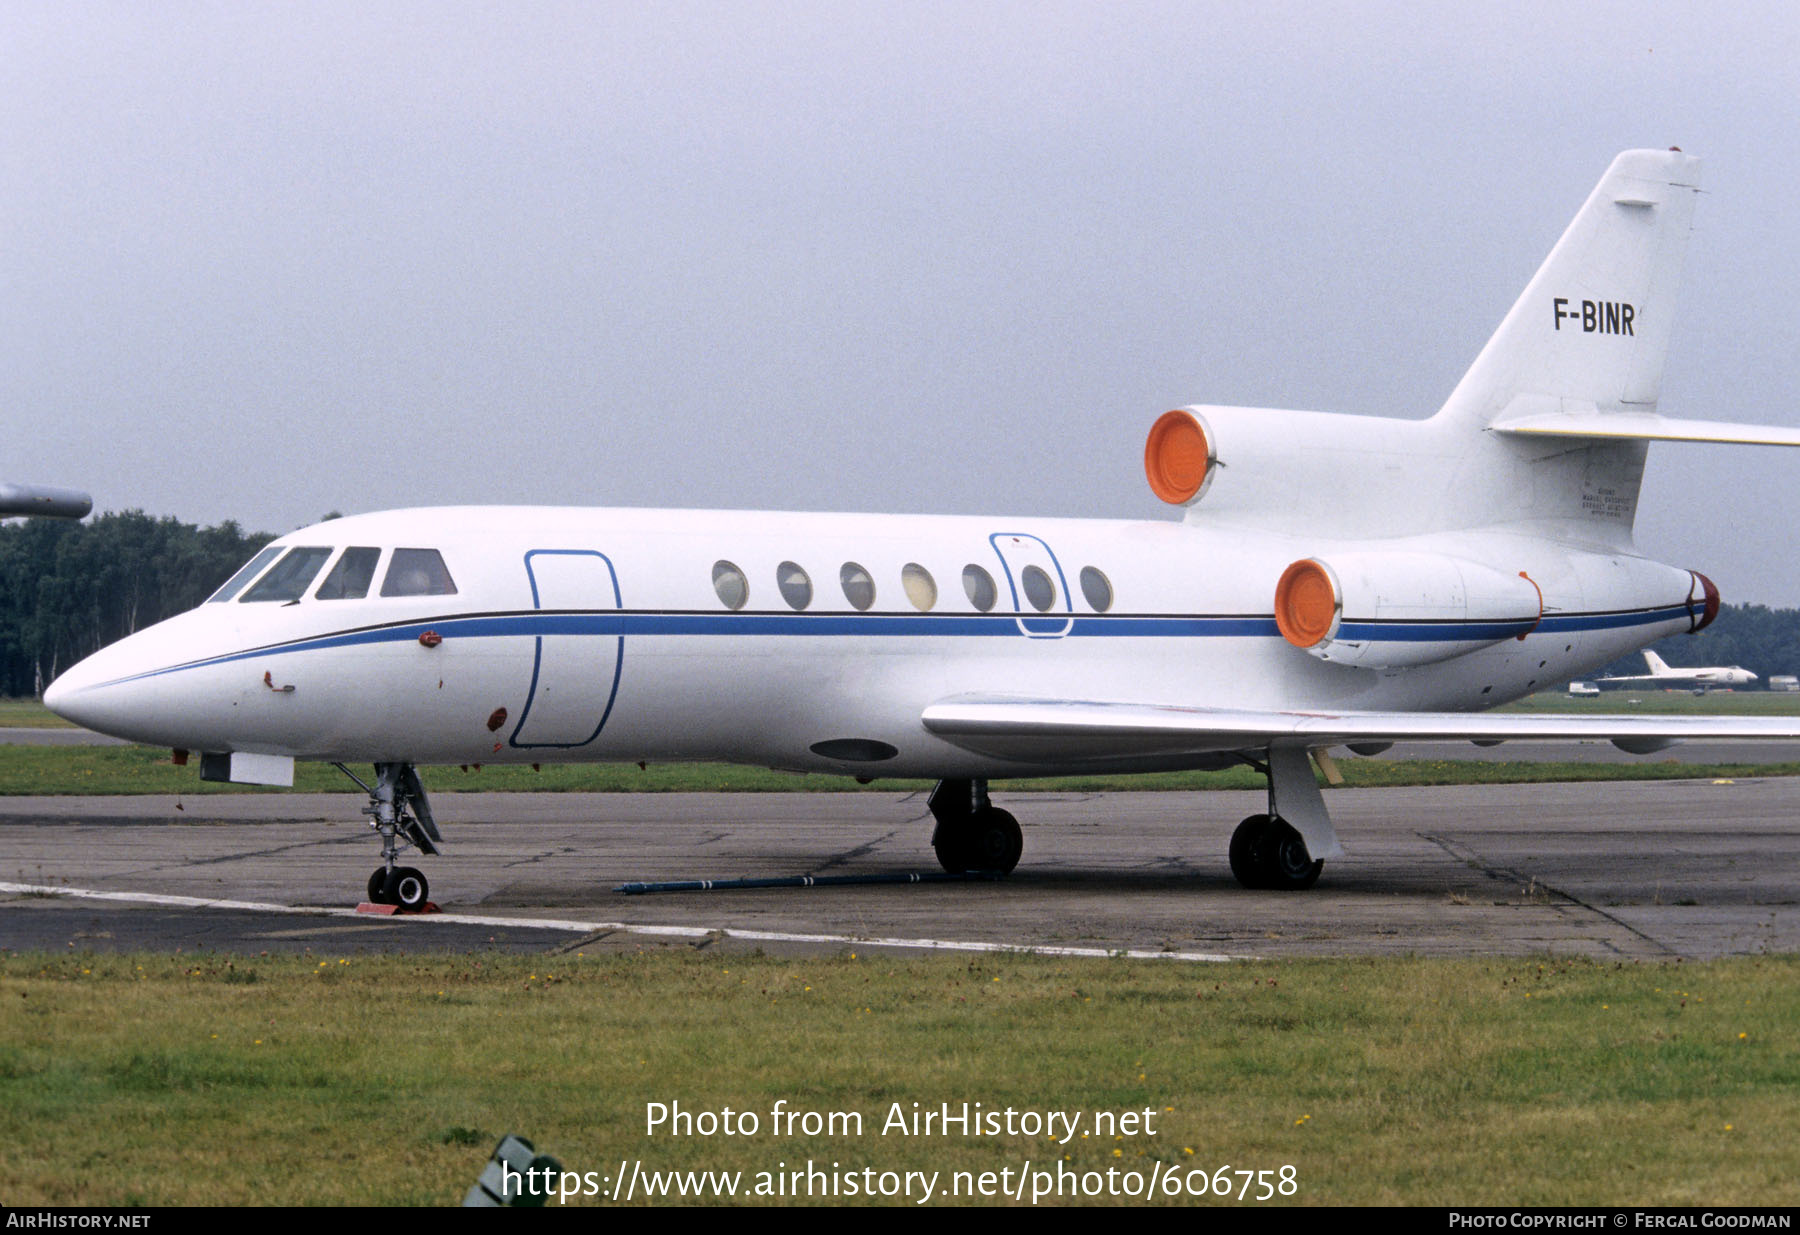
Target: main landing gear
[1266,852]
[1283,850]
[973,835]
[1275,851]
[398,810]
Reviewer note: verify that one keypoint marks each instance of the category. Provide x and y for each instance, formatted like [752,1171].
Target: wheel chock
[389,911]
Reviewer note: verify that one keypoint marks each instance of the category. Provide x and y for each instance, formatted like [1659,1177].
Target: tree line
[69,589]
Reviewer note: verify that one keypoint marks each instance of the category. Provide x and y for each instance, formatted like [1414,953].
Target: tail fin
[1591,330]
[1658,666]
[1550,427]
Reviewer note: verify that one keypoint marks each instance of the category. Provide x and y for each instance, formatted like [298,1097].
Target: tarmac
[1636,870]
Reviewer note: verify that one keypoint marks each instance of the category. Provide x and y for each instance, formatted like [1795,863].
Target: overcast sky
[262,261]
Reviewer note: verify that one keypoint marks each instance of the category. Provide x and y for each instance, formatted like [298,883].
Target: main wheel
[378,887]
[410,888]
[1288,866]
[952,849]
[995,841]
[988,841]
[1249,850]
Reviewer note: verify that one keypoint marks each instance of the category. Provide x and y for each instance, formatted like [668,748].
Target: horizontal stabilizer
[1077,731]
[1644,426]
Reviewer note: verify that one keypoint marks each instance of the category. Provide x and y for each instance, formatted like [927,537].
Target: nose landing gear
[399,811]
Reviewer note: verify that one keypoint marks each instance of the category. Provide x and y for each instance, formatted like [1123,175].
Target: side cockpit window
[288,579]
[418,572]
[249,571]
[350,578]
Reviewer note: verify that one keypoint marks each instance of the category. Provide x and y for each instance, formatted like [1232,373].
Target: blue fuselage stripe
[1433,632]
[619,623]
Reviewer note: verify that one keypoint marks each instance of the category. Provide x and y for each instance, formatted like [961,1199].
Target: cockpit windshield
[410,572]
[350,578]
[418,572]
[249,571]
[290,575]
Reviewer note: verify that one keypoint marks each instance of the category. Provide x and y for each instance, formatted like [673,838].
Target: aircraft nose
[115,691]
[56,697]
[79,697]
[159,686]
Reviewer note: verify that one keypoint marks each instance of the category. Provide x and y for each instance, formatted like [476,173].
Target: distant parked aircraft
[1698,680]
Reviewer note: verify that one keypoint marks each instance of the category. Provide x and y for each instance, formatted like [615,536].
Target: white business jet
[1332,580]
[1699,680]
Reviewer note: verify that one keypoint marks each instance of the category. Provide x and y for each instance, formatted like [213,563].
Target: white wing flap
[1075,731]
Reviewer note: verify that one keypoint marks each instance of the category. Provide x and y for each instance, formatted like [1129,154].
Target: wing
[1072,731]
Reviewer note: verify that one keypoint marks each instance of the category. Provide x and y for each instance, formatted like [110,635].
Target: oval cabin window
[978,585]
[794,584]
[859,586]
[920,587]
[1097,589]
[730,584]
[1039,591]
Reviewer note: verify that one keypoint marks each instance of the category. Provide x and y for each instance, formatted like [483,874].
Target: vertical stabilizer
[1591,330]
[1658,666]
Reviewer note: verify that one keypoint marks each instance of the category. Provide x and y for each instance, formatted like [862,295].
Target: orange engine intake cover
[1306,603]
[1178,458]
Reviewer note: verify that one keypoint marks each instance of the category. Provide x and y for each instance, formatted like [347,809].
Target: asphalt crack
[1513,875]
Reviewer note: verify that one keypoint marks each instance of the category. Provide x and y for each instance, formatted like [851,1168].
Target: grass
[78,770]
[326,1080]
[1664,702]
[59,770]
[29,714]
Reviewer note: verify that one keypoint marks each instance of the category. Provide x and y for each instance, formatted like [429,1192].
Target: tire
[994,841]
[1249,849]
[378,887]
[952,848]
[1288,866]
[410,888]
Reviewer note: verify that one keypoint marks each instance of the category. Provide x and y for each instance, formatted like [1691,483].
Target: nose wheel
[404,886]
[398,810]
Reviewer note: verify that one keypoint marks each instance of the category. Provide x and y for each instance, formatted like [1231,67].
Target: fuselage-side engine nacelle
[1380,610]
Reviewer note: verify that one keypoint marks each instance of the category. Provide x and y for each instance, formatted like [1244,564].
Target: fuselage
[1683,678]
[803,641]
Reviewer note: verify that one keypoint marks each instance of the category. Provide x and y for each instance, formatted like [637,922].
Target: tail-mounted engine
[1180,457]
[1702,602]
[1392,610]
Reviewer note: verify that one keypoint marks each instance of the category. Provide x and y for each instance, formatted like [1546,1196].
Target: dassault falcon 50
[1329,580]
